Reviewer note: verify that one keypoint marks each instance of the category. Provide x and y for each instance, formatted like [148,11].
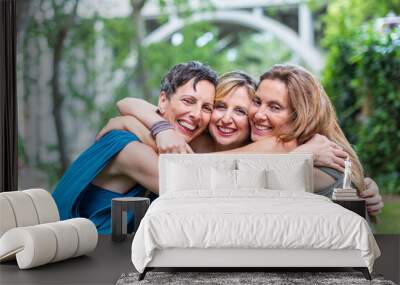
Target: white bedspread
[252,218]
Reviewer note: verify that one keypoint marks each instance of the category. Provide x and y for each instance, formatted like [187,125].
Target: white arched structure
[255,21]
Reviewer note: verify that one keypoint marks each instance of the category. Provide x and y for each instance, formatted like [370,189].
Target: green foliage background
[362,72]
[362,76]
[161,56]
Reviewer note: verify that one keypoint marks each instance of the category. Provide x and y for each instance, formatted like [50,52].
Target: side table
[119,208]
[357,206]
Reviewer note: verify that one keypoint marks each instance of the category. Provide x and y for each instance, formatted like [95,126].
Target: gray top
[337,175]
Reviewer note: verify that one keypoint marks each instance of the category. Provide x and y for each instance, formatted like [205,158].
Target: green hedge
[362,76]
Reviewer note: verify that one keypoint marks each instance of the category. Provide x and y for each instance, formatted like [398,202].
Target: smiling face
[189,108]
[229,125]
[269,111]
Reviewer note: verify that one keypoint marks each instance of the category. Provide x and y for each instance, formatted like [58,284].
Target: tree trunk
[24,10]
[56,93]
[366,106]
[26,94]
[23,14]
[58,102]
[139,25]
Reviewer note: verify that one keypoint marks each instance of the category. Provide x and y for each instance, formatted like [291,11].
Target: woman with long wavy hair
[292,106]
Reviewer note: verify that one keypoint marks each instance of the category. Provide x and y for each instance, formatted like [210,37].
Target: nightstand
[119,208]
[357,206]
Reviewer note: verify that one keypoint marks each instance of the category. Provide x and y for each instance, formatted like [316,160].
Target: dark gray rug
[229,278]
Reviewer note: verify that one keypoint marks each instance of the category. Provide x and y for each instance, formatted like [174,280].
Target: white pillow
[185,177]
[295,180]
[176,171]
[236,179]
[223,179]
[251,178]
[283,173]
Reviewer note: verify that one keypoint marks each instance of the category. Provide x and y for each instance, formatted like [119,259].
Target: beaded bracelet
[159,127]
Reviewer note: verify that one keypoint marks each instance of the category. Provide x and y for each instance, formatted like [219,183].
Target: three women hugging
[288,111]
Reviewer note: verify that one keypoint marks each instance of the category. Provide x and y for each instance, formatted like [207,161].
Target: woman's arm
[166,141]
[267,145]
[136,161]
[140,109]
[325,152]
[131,124]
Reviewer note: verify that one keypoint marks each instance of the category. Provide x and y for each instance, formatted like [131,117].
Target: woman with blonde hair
[229,125]
[292,106]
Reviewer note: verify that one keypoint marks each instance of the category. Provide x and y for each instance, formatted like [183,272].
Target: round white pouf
[7,218]
[26,208]
[45,205]
[40,244]
[23,209]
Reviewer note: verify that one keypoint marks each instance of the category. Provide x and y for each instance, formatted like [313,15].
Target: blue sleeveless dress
[74,194]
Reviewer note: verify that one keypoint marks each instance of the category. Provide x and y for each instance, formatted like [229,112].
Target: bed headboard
[292,169]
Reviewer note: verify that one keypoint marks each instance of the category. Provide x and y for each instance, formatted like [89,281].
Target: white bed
[247,211]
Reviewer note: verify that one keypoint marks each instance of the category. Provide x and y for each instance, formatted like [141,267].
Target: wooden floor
[389,262]
[110,259]
[102,266]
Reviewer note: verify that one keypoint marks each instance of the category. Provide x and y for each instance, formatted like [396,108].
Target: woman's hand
[325,152]
[372,197]
[170,141]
